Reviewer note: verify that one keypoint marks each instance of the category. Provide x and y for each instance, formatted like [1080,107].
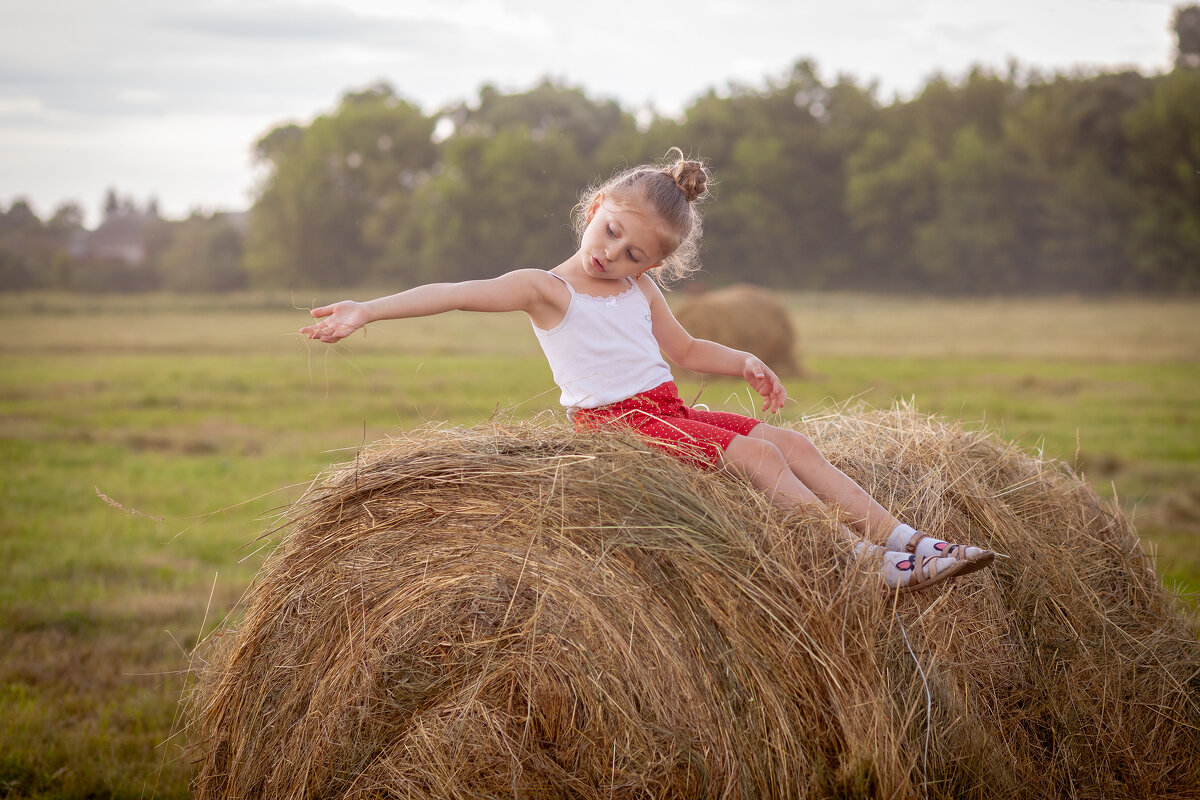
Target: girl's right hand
[337,321]
[764,381]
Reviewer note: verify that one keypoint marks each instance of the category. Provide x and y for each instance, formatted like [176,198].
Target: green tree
[1164,135]
[978,241]
[508,177]
[325,182]
[1080,182]
[501,201]
[202,254]
[547,111]
[779,155]
[22,248]
[944,108]
[1186,24]
[67,218]
[35,254]
[781,218]
[891,190]
[1071,141]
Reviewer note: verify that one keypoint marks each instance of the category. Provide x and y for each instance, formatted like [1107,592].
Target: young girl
[603,322]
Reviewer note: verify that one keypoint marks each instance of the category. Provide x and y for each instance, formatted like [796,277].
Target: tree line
[992,183]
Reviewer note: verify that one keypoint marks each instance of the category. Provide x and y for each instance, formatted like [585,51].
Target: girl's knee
[793,444]
[766,466]
[751,454]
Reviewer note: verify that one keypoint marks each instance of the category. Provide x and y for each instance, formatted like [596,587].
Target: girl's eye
[632,257]
[610,232]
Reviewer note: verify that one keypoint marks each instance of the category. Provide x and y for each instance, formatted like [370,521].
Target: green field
[203,417]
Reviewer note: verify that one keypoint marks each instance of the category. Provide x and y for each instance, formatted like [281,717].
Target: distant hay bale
[524,611]
[746,318]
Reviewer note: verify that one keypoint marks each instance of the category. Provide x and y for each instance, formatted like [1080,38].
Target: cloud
[20,106]
[221,73]
[267,25]
[215,56]
[140,97]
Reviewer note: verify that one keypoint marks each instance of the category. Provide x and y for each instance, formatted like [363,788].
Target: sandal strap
[919,575]
[955,551]
[911,545]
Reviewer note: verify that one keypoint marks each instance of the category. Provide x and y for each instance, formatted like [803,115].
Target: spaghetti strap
[570,288]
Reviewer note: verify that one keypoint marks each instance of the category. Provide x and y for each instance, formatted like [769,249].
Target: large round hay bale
[746,318]
[523,611]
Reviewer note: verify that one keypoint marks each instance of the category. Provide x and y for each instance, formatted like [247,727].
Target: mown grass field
[204,416]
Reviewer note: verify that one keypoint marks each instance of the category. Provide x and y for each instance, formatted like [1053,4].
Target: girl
[603,322]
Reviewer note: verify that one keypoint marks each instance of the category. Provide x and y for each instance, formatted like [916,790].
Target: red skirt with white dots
[690,434]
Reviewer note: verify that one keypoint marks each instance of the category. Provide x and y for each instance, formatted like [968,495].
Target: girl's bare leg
[792,477]
[766,466]
[828,482]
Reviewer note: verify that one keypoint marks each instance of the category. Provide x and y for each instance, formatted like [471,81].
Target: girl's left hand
[764,381]
[337,321]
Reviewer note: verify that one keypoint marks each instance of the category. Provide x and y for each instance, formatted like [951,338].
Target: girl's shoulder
[650,289]
[550,296]
[540,279]
[548,283]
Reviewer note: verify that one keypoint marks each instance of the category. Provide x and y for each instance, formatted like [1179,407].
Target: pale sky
[166,98]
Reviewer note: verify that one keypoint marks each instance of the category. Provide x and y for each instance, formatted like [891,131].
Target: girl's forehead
[642,224]
[635,216]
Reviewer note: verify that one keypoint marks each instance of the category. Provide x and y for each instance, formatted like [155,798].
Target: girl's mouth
[596,263]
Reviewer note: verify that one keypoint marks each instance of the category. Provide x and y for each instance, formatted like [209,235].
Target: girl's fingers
[331,336]
[769,387]
[772,401]
[328,330]
[316,327]
[775,395]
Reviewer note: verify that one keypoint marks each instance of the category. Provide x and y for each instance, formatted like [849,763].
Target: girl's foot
[905,572]
[905,539]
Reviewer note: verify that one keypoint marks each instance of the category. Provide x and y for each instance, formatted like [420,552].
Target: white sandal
[916,571]
[926,573]
[958,552]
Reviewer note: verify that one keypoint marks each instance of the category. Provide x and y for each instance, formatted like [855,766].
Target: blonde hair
[672,189]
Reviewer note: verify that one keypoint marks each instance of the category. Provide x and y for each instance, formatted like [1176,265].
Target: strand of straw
[928,710]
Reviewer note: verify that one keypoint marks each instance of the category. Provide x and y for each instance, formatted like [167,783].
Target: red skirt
[690,434]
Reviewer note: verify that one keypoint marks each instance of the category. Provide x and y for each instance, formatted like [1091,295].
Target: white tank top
[604,349]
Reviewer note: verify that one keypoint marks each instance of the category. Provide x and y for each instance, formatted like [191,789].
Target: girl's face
[621,241]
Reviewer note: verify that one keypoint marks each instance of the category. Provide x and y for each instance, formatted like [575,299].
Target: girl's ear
[594,206]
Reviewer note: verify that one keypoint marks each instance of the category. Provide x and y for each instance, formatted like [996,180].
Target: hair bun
[689,176]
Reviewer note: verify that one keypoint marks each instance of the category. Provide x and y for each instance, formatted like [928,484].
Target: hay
[522,611]
[746,318]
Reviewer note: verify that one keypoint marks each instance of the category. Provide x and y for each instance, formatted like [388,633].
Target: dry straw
[744,317]
[523,611]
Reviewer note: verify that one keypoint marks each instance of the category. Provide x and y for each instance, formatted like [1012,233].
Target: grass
[206,415]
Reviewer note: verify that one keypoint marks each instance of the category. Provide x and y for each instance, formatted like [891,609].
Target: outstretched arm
[701,355]
[525,290]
